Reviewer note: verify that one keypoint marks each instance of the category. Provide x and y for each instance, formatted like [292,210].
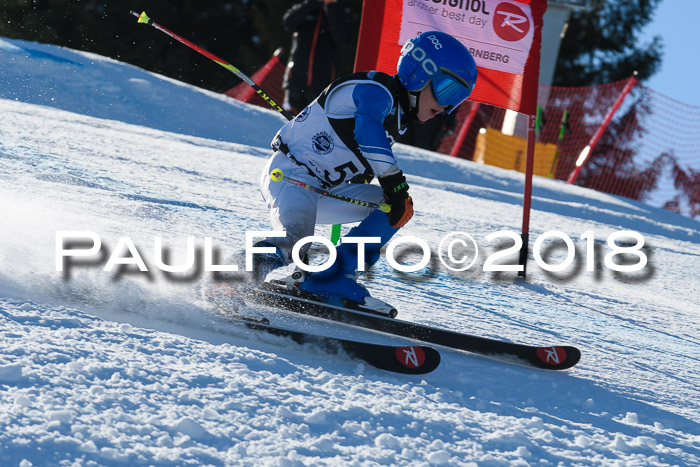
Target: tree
[613,168]
[688,182]
[601,44]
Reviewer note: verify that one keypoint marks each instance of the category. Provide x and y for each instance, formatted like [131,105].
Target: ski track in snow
[108,369]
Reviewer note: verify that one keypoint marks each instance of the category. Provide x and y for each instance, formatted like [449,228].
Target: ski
[412,360]
[276,294]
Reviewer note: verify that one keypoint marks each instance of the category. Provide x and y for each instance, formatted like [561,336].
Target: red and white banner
[504,36]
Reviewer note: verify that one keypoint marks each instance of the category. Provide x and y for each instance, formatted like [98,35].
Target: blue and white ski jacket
[345,135]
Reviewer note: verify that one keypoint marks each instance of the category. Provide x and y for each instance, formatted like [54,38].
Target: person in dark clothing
[319,28]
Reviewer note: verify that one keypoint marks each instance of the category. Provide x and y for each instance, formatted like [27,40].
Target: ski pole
[277,175]
[143,18]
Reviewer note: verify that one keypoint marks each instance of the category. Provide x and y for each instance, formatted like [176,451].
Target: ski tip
[408,360]
[417,360]
[557,357]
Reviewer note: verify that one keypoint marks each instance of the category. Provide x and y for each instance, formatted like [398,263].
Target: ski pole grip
[384,207]
[277,175]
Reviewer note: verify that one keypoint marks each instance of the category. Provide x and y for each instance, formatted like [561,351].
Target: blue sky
[676,21]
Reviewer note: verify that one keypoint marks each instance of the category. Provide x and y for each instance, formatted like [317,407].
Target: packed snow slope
[126,367]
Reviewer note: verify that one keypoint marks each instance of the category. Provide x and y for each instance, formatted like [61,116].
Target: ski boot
[343,291]
[339,282]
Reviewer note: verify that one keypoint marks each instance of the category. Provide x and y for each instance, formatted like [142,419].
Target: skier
[340,143]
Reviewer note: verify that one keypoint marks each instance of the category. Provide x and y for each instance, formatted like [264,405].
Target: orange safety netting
[649,151]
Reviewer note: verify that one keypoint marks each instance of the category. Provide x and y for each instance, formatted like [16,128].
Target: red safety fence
[269,78]
[648,150]
[643,144]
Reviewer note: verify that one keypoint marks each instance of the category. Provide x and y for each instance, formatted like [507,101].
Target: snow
[109,368]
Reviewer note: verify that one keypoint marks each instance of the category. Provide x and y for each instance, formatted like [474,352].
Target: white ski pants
[297,210]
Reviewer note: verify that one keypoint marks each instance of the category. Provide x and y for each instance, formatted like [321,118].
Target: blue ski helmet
[443,61]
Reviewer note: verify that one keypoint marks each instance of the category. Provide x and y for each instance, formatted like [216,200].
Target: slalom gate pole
[143,18]
[277,176]
[527,194]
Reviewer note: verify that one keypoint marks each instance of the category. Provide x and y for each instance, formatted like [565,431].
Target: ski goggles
[449,89]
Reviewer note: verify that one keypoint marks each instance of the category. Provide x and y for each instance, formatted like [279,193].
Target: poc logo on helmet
[420,56]
[435,41]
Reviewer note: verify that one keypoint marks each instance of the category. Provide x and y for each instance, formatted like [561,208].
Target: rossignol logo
[510,23]
[322,143]
[410,357]
[475,6]
[551,355]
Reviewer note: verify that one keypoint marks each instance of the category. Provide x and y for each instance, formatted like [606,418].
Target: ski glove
[396,193]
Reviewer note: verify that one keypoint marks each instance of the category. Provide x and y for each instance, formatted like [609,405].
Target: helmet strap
[414,95]
[413,99]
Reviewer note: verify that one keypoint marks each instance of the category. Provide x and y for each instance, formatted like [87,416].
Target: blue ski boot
[338,284]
